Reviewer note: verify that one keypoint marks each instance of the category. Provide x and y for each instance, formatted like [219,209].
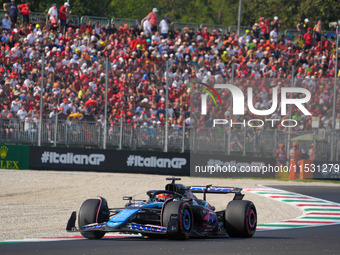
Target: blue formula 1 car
[174,212]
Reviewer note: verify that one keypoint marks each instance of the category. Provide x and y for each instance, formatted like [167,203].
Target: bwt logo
[238,99]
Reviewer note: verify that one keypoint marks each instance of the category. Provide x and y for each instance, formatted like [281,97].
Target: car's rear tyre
[240,218]
[182,226]
[93,211]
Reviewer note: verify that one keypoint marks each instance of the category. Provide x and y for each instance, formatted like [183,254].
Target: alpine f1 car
[174,212]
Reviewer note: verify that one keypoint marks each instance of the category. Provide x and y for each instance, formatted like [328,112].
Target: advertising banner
[147,162]
[151,162]
[14,156]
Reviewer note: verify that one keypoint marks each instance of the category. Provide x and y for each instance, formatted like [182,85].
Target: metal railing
[121,22]
[2,15]
[247,141]
[36,16]
[74,18]
[182,25]
[211,27]
[242,29]
[293,32]
[102,21]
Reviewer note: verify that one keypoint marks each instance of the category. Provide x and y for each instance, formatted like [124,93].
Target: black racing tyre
[184,222]
[240,218]
[88,215]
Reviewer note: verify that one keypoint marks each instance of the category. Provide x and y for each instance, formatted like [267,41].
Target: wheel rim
[186,220]
[252,219]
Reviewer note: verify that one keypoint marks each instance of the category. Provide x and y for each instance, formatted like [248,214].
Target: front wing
[127,227]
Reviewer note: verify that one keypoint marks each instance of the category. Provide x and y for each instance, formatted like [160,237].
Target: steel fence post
[166,106]
[244,140]
[41,98]
[55,130]
[183,136]
[120,133]
[290,108]
[105,106]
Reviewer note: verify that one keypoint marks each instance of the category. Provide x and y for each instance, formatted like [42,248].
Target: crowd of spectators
[75,70]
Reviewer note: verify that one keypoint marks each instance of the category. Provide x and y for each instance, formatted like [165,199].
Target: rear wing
[217,190]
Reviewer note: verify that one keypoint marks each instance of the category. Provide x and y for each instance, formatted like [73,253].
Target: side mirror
[127,198]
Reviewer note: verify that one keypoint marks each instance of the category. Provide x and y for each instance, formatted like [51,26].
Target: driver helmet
[164,196]
[190,194]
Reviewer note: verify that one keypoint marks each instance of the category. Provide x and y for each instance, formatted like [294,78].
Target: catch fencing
[83,133]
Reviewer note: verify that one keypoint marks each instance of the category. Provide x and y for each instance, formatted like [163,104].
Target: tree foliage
[223,12]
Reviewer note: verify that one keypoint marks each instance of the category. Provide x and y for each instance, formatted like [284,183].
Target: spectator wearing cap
[64,105]
[63,16]
[164,27]
[12,9]
[255,32]
[4,112]
[308,38]
[24,9]
[264,25]
[53,23]
[318,31]
[6,23]
[53,11]
[205,33]
[303,27]
[153,19]
[299,42]
[275,23]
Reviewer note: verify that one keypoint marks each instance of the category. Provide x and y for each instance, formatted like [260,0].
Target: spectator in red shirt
[205,33]
[25,11]
[63,13]
[326,44]
[308,38]
[264,25]
[318,48]
[153,20]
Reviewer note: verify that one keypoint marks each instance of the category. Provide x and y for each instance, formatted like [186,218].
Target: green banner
[14,156]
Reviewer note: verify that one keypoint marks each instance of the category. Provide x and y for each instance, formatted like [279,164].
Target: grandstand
[74,67]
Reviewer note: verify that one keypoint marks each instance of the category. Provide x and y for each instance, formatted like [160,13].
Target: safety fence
[246,141]
[38,17]
[217,27]
[295,33]
[181,25]
[74,19]
[258,142]
[242,29]
[102,21]
[2,14]
[121,22]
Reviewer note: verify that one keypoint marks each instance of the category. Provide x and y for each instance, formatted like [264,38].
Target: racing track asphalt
[313,240]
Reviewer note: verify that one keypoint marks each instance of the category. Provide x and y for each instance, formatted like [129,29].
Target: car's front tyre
[240,219]
[178,218]
[93,211]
